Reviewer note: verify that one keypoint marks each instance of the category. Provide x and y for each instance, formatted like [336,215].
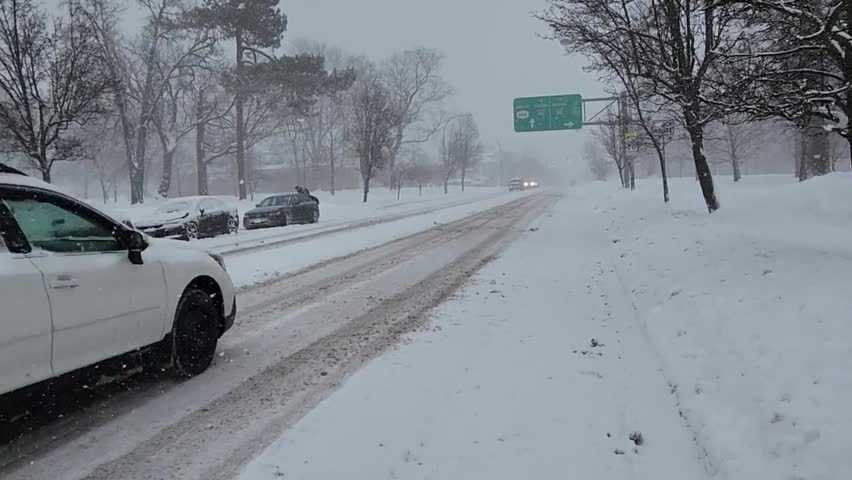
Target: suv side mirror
[136,244]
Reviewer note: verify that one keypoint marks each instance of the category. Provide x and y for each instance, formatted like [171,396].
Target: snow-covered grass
[723,339]
[750,309]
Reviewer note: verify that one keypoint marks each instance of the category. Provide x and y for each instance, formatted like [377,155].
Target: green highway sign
[543,114]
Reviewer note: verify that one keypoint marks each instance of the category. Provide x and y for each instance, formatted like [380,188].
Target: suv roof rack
[7,169]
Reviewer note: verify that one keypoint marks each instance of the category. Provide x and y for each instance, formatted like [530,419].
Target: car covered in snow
[78,288]
[283,210]
[188,218]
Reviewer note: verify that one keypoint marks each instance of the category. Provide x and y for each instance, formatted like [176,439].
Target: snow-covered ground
[719,343]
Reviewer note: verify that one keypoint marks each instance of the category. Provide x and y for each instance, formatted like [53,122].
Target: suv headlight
[219,259]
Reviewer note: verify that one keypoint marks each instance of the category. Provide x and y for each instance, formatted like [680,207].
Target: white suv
[78,287]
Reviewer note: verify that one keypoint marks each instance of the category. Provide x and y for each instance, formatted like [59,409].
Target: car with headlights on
[519,184]
[188,218]
[283,210]
[79,288]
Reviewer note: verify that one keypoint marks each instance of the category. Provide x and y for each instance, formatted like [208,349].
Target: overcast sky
[493,54]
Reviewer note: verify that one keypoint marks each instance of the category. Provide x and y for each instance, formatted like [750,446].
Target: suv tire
[195,334]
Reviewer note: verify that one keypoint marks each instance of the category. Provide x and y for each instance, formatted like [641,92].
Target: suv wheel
[288,219]
[315,217]
[195,334]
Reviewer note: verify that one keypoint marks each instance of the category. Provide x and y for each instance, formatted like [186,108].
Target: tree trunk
[799,160]
[463,173]
[146,107]
[817,149]
[241,126]
[137,184]
[735,166]
[137,181]
[331,159]
[702,167]
[849,137]
[201,158]
[420,188]
[392,160]
[44,167]
[631,174]
[366,186]
[620,174]
[166,182]
[304,169]
[446,184]
[732,146]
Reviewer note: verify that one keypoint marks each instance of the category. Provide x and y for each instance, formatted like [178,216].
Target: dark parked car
[191,217]
[282,210]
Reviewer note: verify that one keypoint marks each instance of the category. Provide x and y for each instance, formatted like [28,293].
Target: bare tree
[596,161]
[465,146]
[50,81]
[421,170]
[739,138]
[417,89]
[183,107]
[370,129]
[609,138]
[460,148]
[141,73]
[662,50]
[324,124]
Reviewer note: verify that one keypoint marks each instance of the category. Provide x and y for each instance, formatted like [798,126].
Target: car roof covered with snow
[27,181]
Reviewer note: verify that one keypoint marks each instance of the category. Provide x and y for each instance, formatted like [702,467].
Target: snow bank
[750,309]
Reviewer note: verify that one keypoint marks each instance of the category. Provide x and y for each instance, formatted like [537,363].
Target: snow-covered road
[539,370]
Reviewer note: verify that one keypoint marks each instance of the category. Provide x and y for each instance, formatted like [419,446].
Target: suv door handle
[64,281]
